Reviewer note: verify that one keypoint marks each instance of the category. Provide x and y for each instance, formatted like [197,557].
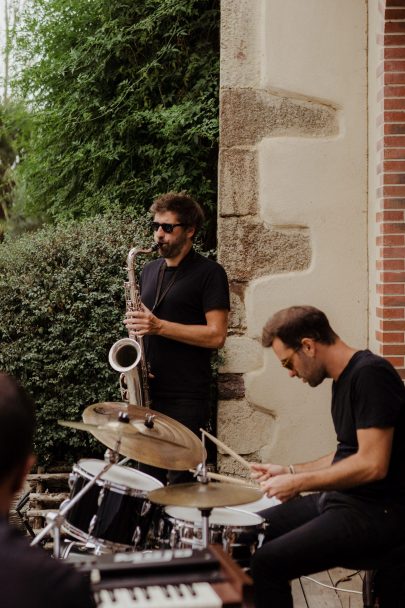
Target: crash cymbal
[204,495]
[161,442]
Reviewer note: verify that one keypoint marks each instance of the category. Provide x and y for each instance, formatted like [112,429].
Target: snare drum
[183,527]
[114,513]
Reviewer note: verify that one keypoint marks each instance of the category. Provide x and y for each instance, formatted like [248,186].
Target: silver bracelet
[291,469]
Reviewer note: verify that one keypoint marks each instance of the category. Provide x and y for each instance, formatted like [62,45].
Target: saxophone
[127,355]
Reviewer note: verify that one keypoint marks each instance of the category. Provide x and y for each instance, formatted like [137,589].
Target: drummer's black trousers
[194,414]
[316,532]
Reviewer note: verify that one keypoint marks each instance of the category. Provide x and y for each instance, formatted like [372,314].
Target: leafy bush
[62,306]
[124,97]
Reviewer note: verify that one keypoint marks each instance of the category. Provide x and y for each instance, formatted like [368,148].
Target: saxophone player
[183,318]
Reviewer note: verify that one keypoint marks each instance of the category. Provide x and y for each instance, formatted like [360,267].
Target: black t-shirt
[370,394]
[30,577]
[187,292]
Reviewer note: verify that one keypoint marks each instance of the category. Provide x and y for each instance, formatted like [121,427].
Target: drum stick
[229,479]
[227,450]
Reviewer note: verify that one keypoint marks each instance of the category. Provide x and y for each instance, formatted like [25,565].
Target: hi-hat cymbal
[167,443]
[204,495]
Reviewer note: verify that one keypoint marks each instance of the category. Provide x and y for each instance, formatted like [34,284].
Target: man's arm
[370,463]
[261,472]
[211,335]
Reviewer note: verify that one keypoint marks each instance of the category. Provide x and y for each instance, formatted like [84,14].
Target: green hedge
[61,308]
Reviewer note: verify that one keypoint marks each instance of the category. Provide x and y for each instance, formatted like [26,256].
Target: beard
[171,250]
[317,377]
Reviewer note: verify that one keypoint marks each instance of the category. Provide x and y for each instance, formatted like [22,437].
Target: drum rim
[88,538]
[119,488]
[259,519]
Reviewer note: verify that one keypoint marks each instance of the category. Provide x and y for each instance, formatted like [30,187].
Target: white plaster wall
[316,50]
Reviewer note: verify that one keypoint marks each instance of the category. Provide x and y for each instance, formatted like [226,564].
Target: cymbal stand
[205,513]
[57,518]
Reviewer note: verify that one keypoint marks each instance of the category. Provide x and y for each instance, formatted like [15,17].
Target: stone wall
[292,207]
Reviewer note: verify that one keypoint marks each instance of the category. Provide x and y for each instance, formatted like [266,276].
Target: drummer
[28,575]
[357,507]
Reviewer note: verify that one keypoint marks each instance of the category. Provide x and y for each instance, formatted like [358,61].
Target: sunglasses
[287,363]
[168,228]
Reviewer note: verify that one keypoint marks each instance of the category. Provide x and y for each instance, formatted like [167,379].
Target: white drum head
[120,475]
[220,516]
[259,505]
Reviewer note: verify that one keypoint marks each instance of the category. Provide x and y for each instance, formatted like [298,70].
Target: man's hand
[283,487]
[275,480]
[142,322]
[262,472]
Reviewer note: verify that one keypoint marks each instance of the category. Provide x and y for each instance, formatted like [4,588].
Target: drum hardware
[56,519]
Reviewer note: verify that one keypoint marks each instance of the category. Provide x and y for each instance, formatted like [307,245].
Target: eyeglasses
[168,228]
[287,363]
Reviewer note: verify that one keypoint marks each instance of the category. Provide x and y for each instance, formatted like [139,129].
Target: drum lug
[92,524]
[73,477]
[137,536]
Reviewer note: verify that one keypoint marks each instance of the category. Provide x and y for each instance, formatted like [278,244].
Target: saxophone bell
[124,357]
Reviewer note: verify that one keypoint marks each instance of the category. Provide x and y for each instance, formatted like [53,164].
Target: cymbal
[167,444]
[115,427]
[204,495]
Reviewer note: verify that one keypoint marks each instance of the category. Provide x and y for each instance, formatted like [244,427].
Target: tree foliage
[62,307]
[124,97]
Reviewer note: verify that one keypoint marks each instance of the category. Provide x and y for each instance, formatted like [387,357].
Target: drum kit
[115,508]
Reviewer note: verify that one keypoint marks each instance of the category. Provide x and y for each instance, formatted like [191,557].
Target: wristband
[291,469]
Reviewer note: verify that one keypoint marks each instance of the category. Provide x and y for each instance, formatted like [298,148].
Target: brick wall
[390,218]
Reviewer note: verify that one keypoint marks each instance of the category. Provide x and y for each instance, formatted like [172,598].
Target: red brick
[394,53]
[394,165]
[392,228]
[392,326]
[394,27]
[394,128]
[401,372]
[390,240]
[392,277]
[391,289]
[393,153]
[390,313]
[393,203]
[393,39]
[390,216]
[394,78]
[394,104]
[392,301]
[388,337]
[392,116]
[390,264]
[391,191]
[394,178]
[392,252]
[393,349]
[394,13]
[393,3]
[394,141]
[391,66]
[397,362]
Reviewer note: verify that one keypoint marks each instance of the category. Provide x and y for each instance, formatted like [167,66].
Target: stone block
[242,428]
[247,116]
[231,386]
[238,181]
[257,250]
[240,355]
